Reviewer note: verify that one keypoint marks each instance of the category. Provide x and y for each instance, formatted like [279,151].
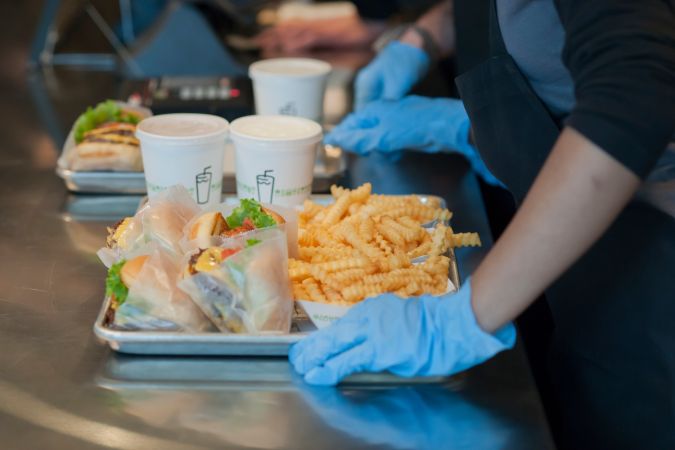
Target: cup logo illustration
[265,185]
[289,109]
[203,180]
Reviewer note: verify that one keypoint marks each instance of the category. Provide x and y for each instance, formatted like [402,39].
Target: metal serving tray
[330,165]
[176,343]
[179,343]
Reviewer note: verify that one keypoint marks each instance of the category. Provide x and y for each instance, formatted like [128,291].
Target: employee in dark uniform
[572,109]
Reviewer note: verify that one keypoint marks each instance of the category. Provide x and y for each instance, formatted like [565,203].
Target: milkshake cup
[186,149]
[274,158]
[290,86]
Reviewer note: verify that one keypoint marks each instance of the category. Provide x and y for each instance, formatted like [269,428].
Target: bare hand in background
[338,33]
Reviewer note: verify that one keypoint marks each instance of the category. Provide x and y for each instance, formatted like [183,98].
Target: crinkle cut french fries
[363,244]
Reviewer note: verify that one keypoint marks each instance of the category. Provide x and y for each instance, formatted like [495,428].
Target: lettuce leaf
[107,111]
[251,209]
[252,242]
[113,283]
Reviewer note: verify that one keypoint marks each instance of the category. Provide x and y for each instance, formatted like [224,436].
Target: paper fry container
[324,314]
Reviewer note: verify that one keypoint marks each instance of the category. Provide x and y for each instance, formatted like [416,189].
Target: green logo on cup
[203,183]
[265,186]
[263,194]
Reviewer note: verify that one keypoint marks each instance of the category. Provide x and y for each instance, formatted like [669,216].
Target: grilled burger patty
[114,133]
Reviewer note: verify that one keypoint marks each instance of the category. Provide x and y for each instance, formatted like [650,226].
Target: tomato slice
[227,252]
[246,226]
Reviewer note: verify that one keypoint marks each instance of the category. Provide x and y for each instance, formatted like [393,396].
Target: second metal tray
[329,167]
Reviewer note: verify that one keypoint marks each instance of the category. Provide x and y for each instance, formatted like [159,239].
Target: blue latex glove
[413,123]
[391,75]
[414,337]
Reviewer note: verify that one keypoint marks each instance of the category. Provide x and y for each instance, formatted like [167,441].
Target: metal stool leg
[42,52]
[43,43]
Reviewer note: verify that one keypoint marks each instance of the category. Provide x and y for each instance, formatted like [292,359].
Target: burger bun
[131,269]
[207,225]
[277,217]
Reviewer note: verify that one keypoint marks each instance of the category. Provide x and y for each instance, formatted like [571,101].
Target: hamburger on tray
[103,139]
[242,285]
[236,269]
[161,220]
[248,216]
[143,295]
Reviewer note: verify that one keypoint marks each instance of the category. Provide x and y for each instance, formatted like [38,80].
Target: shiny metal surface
[61,389]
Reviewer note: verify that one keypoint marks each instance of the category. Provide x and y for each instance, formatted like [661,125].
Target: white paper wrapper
[324,314]
[250,291]
[161,220]
[166,215]
[154,301]
[133,240]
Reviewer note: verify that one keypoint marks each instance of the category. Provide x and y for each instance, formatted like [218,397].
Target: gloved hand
[391,75]
[412,123]
[420,336]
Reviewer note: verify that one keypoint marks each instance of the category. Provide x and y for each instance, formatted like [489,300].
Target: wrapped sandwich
[242,286]
[165,216]
[105,139]
[161,220]
[143,295]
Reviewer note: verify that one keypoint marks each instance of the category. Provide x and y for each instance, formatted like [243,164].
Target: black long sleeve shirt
[608,66]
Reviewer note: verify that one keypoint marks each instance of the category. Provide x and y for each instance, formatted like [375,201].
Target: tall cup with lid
[185,149]
[290,86]
[275,157]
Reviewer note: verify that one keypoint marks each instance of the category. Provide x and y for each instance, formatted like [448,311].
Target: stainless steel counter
[61,389]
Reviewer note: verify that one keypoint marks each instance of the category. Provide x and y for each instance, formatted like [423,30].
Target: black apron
[612,354]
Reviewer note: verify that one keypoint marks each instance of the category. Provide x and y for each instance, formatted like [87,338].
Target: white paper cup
[274,158]
[185,149]
[290,86]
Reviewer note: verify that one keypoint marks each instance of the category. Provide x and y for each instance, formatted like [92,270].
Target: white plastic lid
[183,128]
[289,67]
[276,130]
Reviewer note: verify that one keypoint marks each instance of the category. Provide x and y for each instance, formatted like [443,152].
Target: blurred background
[171,54]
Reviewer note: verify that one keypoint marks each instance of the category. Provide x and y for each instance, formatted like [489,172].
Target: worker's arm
[578,194]
[439,22]
[621,56]
[575,198]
